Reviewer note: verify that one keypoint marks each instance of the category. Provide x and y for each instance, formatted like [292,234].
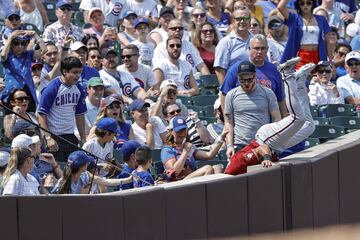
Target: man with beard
[118,81]
[277,38]
[176,69]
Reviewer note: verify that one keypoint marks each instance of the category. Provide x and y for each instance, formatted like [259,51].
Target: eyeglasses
[258,49]
[205,31]
[172,113]
[175,45]
[353,63]
[22,43]
[305,3]
[114,106]
[21,99]
[176,28]
[196,15]
[172,92]
[246,80]
[342,54]
[128,56]
[323,71]
[254,25]
[14,18]
[239,19]
[66,8]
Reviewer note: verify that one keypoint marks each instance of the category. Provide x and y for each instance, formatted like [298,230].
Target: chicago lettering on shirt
[68,98]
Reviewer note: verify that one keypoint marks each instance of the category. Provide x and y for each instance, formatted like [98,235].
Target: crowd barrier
[315,188]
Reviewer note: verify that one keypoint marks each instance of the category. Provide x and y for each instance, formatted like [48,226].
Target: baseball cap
[95,81]
[168,82]
[352,30]
[352,55]
[275,22]
[62,3]
[322,64]
[107,51]
[108,124]
[217,104]
[95,9]
[165,10]
[129,148]
[24,140]
[36,64]
[128,13]
[138,104]
[177,123]
[112,98]
[80,158]
[140,20]
[4,158]
[77,45]
[246,67]
[12,12]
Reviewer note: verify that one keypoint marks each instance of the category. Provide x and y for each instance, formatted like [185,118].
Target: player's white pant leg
[277,134]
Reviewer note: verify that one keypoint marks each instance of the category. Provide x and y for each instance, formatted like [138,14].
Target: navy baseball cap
[129,148]
[139,21]
[246,67]
[112,98]
[138,104]
[108,124]
[12,12]
[177,123]
[322,64]
[80,158]
[165,10]
[129,13]
[62,3]
[275,22]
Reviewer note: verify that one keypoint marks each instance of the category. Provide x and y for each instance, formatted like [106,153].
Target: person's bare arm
[283,9]
[214,149]
[159,77]
[352,100]
[229,126]
[201,67]
[156,38]
[51,143]
[111,181]
[178,164]
[330,47]
[7,46]
[220,74]
[42,11]
[9,121]
[140,93]
[80,123]
[150,135]
[86,16]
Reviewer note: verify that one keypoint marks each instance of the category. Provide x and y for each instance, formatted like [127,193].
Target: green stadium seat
[185,100]
[333,110]
[328,131]
[156,169]
[29,26]
[204,100]
[208,111]
[348,122]
[320,120]
[198,109]
[311,142]
[207,120]
[118,155]
[78,19]
[75,6]
[156,155]
[209,81]
[50,8]
[314,111]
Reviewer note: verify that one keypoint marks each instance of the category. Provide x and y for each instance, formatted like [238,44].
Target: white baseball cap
[95,9]
[352,29]
[168,82]
[24,140]
[4,158]
[352,55]
[77,45]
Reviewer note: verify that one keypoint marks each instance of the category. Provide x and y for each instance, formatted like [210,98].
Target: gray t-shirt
[250,111]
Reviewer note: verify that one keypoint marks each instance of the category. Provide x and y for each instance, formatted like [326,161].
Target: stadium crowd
[85,80]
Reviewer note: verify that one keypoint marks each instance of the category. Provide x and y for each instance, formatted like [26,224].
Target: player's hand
[266,163]
[230,152]
[52,145]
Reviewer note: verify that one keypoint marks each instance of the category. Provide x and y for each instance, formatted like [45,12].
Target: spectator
[256,11]
[347,7]
[234,47]
[128,34]
[188,51]
[19,101]
[341,50]
[141,73]
[17,64]
[160,34]
[242,117]
[205,41]
[176,69]
[146,48]
[91,41]
[277,38]
[146,9]
[76,178]
[4,160]
[255,26]
[96,19]
[130,164]
[150,131]
[181,11]
[349,84]
[144,161]
[36,68]
[307,34]
[180,156]
[62,102]
[119,82]
[95,90]
[12,22]
[323,91]
[62,29]
[216,128]
[215,15]
[198,17]
[113,107]
[80,51]
[17,179]
[94,58]
[32,12]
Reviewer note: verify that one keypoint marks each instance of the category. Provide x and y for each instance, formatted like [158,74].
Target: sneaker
[288,67]
[302,74]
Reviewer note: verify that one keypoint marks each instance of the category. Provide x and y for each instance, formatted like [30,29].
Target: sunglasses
[176,28]
[196,15]
[305,3]
[128,56]
[22,43]
[246,80]
[353,63]
[342,54]
[114,106]
[254,25]
[172,113]
[21,99]
[205,31]
[66,8]
[172,92]
[275,25]
[239,19]
[14,18]
[175,45]
[323,71]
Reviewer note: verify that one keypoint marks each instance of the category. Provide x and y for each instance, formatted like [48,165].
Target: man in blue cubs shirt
[62,103]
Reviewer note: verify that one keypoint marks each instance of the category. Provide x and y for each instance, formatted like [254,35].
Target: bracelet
[230,145]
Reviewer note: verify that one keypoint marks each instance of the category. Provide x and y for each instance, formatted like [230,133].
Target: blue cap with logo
[79,159]
[108,124]
[129,148]
[138,104]
[177,124]
[139,21]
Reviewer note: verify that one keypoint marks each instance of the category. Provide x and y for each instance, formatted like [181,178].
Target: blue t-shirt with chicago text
[266,75]
[61,103]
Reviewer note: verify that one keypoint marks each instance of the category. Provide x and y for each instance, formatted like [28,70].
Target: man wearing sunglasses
[349,84]
[277,38]
[12,23]
[63,28]
[341,50]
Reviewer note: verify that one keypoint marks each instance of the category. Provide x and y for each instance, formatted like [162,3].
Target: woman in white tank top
[32,11]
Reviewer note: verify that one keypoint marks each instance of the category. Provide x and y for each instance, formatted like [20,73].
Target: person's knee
[208,170]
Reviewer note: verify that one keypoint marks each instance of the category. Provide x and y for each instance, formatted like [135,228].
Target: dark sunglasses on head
[128,56]
[14,18]
[196,15]
[176,28]
[353,63]
[204,31]
[174,112]
[175,45]
[22,43]
[305,3]
[21,99]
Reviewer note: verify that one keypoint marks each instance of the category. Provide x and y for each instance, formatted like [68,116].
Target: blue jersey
[266,75]
[87,73]
[144,175]
[61,103]
[124,174]
[121,138]
[222,24]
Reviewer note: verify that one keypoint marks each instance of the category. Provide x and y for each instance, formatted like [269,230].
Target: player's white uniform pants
[294,128]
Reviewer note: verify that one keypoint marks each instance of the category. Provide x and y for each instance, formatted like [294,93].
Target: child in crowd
[144,161]
[128,151]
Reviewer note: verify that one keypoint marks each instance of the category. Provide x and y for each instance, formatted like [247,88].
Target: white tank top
[310,35]
[33,17]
